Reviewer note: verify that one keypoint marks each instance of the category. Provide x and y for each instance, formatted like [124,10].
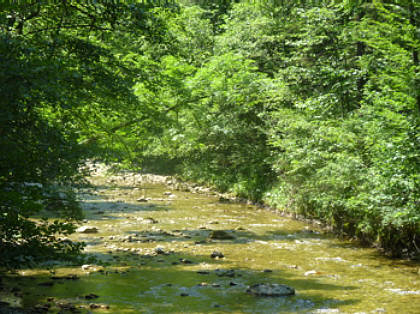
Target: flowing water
[152,254]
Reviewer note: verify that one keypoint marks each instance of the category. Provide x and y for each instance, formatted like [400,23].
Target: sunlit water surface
[154,256]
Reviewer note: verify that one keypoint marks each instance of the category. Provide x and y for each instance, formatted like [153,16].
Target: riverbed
[157,249]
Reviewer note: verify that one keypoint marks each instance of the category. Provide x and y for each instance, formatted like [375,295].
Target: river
[155,250]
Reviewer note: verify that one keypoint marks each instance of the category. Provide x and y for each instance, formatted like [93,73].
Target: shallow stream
[153,254]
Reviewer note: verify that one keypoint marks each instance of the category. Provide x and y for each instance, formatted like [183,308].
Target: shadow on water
[203,236]
[159,283]
[99,208]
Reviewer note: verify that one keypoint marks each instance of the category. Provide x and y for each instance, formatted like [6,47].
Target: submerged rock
[87,229]
[270,290]
[66,306]
[150,220]
[226,273]
[91,296]
[185,261]
[159,250]
[217,254]
[220,235]
[98,306]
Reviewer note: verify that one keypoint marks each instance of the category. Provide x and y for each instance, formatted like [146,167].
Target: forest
[308,106]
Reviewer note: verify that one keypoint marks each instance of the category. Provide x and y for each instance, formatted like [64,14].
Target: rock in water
[87,229]
[217,254]
[270,290]
[220,235]
[91,296]
[159,250]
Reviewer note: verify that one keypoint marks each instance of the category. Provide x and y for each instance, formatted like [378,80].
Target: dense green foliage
[310,106]
[63,89]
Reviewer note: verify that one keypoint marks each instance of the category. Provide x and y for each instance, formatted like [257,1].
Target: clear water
[128,276]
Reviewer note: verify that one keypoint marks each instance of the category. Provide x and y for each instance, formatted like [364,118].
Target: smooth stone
[150,220]
[270,290]
[217,254]
[185,261]
[98,306]
[87,229]
[159,250]
[203,284]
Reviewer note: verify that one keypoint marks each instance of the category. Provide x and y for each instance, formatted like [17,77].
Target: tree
[62,82]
